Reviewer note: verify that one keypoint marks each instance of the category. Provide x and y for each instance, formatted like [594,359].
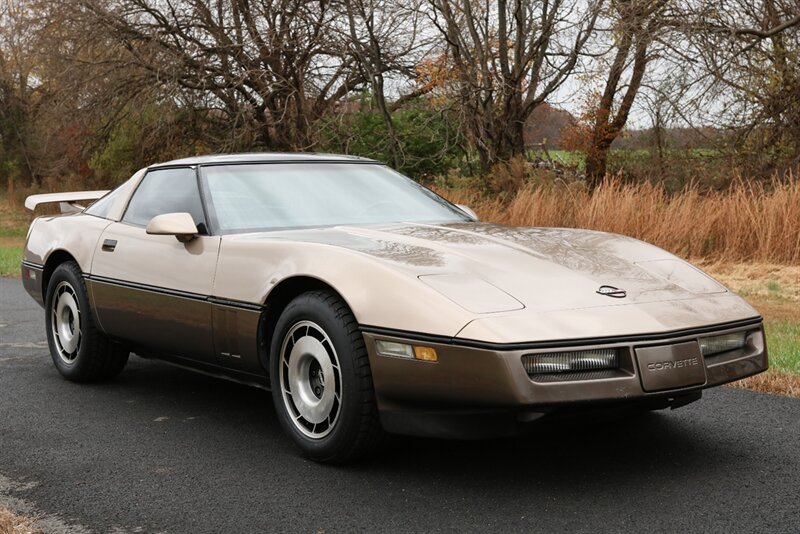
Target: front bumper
[482,391]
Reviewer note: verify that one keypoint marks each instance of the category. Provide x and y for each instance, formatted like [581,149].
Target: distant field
[570,158]
[576,159]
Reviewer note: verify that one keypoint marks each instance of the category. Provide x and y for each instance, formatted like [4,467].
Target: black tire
[81,354]
[350,428]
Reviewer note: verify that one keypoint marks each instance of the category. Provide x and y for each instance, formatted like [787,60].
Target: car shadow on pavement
[582,450]
[574,451]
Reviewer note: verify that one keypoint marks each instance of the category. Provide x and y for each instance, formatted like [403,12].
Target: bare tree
[635,26]
[269,68]
[749,52]
[19,94]
[384,37]
[509,56]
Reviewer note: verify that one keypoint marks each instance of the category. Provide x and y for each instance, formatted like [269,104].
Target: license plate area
[673,366]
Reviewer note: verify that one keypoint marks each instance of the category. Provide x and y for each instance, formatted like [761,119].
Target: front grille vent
[581,361]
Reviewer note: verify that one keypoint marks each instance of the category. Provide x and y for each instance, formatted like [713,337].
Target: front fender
[376,292]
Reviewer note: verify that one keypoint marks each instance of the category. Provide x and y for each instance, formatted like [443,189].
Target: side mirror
[181,225]
[468,211]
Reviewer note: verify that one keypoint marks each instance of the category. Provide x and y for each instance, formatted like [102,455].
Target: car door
[153,289]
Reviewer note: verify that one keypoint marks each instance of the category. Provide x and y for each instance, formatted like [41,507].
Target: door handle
[109,245]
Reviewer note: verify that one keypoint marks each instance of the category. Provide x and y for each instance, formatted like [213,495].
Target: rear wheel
[321,380]
[80,352]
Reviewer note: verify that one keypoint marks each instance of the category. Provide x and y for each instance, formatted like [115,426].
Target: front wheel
[321,380]
[80,351]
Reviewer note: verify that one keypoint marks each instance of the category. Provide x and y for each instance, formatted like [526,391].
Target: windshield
[270,196]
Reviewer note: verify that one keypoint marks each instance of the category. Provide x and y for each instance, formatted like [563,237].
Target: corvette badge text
[676,364]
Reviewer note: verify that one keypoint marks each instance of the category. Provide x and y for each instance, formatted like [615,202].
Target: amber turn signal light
[427,354]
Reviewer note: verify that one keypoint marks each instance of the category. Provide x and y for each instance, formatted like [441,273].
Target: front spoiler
[484,392]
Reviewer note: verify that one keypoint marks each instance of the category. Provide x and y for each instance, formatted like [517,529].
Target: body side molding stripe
[175,293]
[236,304]
[32,265]
[477,344]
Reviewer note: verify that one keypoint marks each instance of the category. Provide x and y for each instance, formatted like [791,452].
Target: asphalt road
[165,450]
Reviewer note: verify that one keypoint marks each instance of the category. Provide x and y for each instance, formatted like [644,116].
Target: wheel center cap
[317,379]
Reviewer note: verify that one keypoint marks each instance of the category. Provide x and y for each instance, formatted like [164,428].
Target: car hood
[487,268]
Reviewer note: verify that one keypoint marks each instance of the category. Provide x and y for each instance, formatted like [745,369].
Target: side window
[166,191]
[101,207]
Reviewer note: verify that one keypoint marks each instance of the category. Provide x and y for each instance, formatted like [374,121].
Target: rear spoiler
[70,202]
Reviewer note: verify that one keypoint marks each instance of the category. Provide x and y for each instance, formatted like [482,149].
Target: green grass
[19,231]
[10,258]
[14,221]
[774,286]
[704,152]
[570,158]
[783,343]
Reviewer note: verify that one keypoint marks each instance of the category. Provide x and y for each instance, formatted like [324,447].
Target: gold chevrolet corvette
[366,303]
